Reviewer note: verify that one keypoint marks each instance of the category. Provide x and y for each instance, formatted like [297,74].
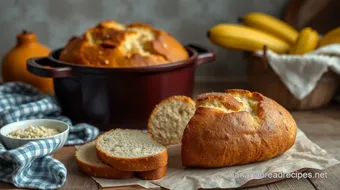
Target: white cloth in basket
[300,73]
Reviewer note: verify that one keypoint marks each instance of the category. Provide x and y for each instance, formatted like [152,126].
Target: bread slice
[88,163]
[169,118]
[131,150]
[153,174]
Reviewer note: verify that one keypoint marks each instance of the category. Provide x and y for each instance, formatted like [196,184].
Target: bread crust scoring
[113,45]
[217,138]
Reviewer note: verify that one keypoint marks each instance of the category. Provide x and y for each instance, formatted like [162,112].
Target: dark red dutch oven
[117,97]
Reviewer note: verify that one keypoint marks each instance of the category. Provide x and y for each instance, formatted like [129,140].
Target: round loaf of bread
[113,45]
[236,127]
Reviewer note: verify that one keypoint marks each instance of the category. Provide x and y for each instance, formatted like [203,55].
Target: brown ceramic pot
[117,97]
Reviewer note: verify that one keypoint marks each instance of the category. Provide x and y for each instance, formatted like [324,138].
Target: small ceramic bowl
[12,143]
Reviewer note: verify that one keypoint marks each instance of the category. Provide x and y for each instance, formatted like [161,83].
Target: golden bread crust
[167,46]
[71,52]
[113,45]
[110,24]
[140,164]
[102,171]
[153,174]
[215,138]
[226,100]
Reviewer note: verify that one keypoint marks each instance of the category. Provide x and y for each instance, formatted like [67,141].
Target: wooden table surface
[322,126]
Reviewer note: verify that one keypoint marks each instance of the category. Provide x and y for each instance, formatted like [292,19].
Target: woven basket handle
[264,58]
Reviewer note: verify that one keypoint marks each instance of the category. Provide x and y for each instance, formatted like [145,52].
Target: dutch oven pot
[117,97]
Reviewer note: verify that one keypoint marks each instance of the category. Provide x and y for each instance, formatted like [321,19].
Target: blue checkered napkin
[30,166]
[19,101]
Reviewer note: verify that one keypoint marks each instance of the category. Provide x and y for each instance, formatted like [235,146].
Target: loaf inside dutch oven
[236,127]
[113,45]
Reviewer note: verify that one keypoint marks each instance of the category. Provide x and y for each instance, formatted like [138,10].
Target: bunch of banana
[307,41]
[232,36]
[271,25]
[258,30]
[330,37]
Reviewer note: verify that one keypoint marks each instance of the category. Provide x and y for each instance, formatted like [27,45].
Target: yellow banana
[271,25]
[245,38]
[330,37]
[306,42]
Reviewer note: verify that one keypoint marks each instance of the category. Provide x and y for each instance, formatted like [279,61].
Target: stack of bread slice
[122,154]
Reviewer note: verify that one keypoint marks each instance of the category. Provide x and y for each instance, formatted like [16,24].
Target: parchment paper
[304,154]
[125,182]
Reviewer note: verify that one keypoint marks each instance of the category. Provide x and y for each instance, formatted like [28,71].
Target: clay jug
[14,62]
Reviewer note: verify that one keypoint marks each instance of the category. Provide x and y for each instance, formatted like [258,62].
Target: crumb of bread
[169,119]
[129,144]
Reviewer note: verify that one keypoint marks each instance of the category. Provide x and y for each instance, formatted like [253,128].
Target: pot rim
[54,57]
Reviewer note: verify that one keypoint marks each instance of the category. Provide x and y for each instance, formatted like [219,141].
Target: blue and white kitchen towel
[30,166]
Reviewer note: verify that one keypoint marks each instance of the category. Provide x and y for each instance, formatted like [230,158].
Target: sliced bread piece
[88,163]
[169,119]
[131,150]
[153,174]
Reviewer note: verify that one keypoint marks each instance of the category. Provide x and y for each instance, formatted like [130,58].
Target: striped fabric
[30,166]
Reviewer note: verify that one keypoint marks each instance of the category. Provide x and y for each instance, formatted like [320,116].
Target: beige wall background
[54,21]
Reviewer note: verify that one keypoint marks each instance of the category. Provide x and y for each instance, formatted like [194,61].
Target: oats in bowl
[33,132]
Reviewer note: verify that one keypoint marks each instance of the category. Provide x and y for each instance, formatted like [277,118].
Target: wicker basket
[263,79]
